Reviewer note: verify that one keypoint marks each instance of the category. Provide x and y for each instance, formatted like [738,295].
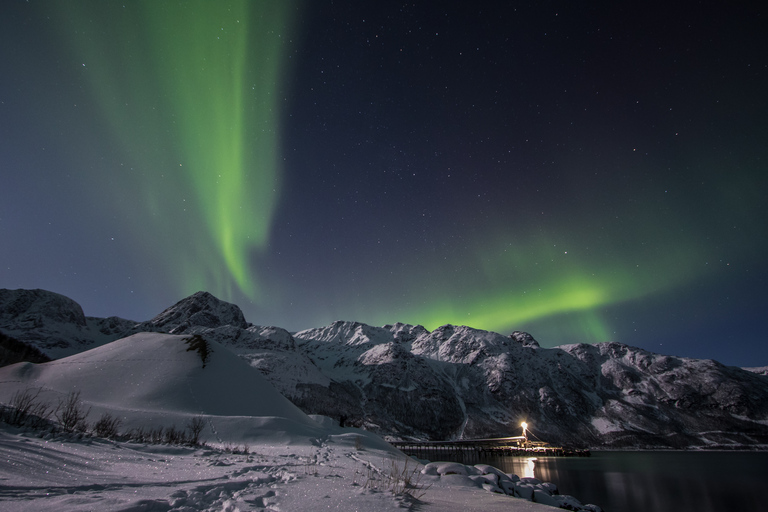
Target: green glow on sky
[537,285]
[191,93]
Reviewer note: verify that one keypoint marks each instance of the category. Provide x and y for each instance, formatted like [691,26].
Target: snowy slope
[150,376]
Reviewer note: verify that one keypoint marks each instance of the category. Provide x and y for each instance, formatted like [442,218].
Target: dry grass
[401,476]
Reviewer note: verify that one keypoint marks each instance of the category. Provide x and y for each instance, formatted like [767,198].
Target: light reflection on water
[652,481]
[520,466]
[664,481]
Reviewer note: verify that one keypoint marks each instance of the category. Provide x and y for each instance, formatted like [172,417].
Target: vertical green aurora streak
[189,89]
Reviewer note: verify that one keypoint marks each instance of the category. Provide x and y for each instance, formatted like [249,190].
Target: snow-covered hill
[149,378]
[405,381]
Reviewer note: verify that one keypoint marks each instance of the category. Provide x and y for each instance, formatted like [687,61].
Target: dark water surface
[657,481]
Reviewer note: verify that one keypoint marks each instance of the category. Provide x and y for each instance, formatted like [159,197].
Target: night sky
[583,171]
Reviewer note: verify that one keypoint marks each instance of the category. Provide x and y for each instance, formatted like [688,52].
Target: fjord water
[661,481]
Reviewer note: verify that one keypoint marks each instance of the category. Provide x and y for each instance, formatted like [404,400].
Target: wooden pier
[517,446]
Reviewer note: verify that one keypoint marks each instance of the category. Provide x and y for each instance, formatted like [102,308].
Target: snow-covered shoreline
[74,473]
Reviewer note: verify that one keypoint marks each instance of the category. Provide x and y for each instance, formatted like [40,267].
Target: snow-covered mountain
[464,382]
[55,324]
[456,381]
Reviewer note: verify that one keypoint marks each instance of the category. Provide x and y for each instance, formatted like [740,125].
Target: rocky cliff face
[405,381]
[393,390]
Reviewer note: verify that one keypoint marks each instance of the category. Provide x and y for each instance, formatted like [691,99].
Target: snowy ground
[70,474]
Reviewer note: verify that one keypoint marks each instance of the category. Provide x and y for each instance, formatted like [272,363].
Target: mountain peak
[34,308]
[201,309]
[524,339]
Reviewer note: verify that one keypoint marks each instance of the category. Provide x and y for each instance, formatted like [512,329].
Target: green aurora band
[556,290]
[190,92]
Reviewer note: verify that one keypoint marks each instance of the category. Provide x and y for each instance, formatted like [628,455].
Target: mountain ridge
[404,381]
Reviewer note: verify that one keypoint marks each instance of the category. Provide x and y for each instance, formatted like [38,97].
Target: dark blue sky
[583,173]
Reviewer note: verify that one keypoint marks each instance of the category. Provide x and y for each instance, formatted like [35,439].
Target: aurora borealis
[189,91]
[585,174]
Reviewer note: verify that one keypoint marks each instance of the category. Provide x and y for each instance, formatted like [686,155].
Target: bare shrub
[195,428]
[26,409]
[156,435]
[175,436]
[71,414]
[107,426]
[372,481]
[138,435]
[405,479]
[402,478]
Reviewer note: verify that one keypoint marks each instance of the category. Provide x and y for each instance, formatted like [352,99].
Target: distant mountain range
[404,381]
